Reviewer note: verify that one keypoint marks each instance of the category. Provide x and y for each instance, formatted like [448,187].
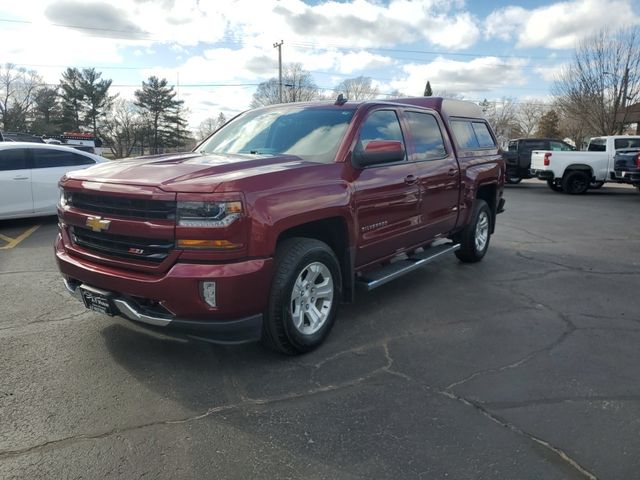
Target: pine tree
[427,90]
[549,125]
[72,95]
[47,114]
[164,114]
[96,99]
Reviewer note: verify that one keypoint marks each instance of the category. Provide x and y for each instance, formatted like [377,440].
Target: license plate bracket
[97,300]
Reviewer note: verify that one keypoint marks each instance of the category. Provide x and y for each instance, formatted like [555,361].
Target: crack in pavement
[523,433]
[559,400]
[576,269]
[550,240]
[37,321]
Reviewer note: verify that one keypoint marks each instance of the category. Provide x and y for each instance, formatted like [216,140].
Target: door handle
[21,178]
[410,179]
[452,172]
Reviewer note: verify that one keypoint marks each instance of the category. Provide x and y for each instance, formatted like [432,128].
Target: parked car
[576,172]
[29,175]
[518,155]
[21,137]
[279,216]
[627,166]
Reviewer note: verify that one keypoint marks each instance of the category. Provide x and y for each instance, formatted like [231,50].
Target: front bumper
[172,303]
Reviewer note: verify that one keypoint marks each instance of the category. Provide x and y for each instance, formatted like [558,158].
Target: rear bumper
[172,303]
[626,176]
[542,174]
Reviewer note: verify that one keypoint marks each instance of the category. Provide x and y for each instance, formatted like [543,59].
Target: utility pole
[279,47]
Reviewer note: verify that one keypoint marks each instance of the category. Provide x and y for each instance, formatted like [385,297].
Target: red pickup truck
[279,216]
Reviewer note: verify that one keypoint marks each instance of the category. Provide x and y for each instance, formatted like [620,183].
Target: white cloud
[458,77]
[560,25]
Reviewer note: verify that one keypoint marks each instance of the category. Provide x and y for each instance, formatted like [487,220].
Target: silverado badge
[97,224]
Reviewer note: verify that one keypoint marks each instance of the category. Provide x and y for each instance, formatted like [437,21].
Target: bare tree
[210,125]
[298,86]
[602,79]
[123,128]
[502,116]
[528,116]
[357,88]
[18,89]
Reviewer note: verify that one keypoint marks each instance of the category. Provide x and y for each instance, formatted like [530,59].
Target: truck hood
[186,172]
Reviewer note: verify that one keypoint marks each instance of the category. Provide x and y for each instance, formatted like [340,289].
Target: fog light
[208,291]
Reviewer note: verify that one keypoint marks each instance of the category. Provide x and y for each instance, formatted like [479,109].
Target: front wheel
[513,180]
[596,185]
[304,296]
[474,239]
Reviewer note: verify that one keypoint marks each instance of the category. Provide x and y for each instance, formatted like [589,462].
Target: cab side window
[426,135]
[559,146]
[380,125]
[471,134]
[13,159]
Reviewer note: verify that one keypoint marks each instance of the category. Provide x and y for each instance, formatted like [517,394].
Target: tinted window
[529,145]
[426,135]
[13,159]
[380,125]
[559,146]
[513,146]
[598,145]
[465,137]
[485,140]
[45,158]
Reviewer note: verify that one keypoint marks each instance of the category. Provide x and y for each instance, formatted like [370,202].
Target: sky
[215,52]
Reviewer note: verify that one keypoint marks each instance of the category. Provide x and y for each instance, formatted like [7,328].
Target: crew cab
[279,216]
[627,166]
[576,172]
[518,155]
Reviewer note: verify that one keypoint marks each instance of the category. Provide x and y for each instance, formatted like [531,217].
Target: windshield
[313,134]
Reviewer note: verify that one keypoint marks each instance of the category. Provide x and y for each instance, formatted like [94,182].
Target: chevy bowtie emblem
[97,224]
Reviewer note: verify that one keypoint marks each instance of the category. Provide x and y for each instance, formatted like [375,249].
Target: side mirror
[379,151]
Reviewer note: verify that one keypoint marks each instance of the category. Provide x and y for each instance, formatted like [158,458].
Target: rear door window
[46,158]
[485,140]
[427,137]
[465,136]
[13,159]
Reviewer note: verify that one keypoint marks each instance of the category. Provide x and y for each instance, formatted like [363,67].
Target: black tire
[295,256]
[470,251]
[575,182]
[637,188]
[596,185]
[513,180]
[554,186]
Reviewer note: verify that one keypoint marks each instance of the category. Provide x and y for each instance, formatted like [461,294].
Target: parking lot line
[12,242]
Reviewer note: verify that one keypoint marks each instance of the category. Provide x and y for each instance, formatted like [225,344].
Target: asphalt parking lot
[525,366]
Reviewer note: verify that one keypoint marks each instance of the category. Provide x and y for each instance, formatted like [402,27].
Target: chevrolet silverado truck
[518,155]
[279,216]
[576,172]
[626,166]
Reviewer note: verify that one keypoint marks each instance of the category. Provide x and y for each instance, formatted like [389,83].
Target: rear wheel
[474,239]
[576,182]
[304,296]
[554,185]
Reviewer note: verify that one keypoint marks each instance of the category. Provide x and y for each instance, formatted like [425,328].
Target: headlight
[65,198]
[208,214]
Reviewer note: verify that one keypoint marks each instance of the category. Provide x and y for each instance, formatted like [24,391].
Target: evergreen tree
[72,96]
[95,97]
[47,113]
[549,125]
[427,90]
[167,126]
